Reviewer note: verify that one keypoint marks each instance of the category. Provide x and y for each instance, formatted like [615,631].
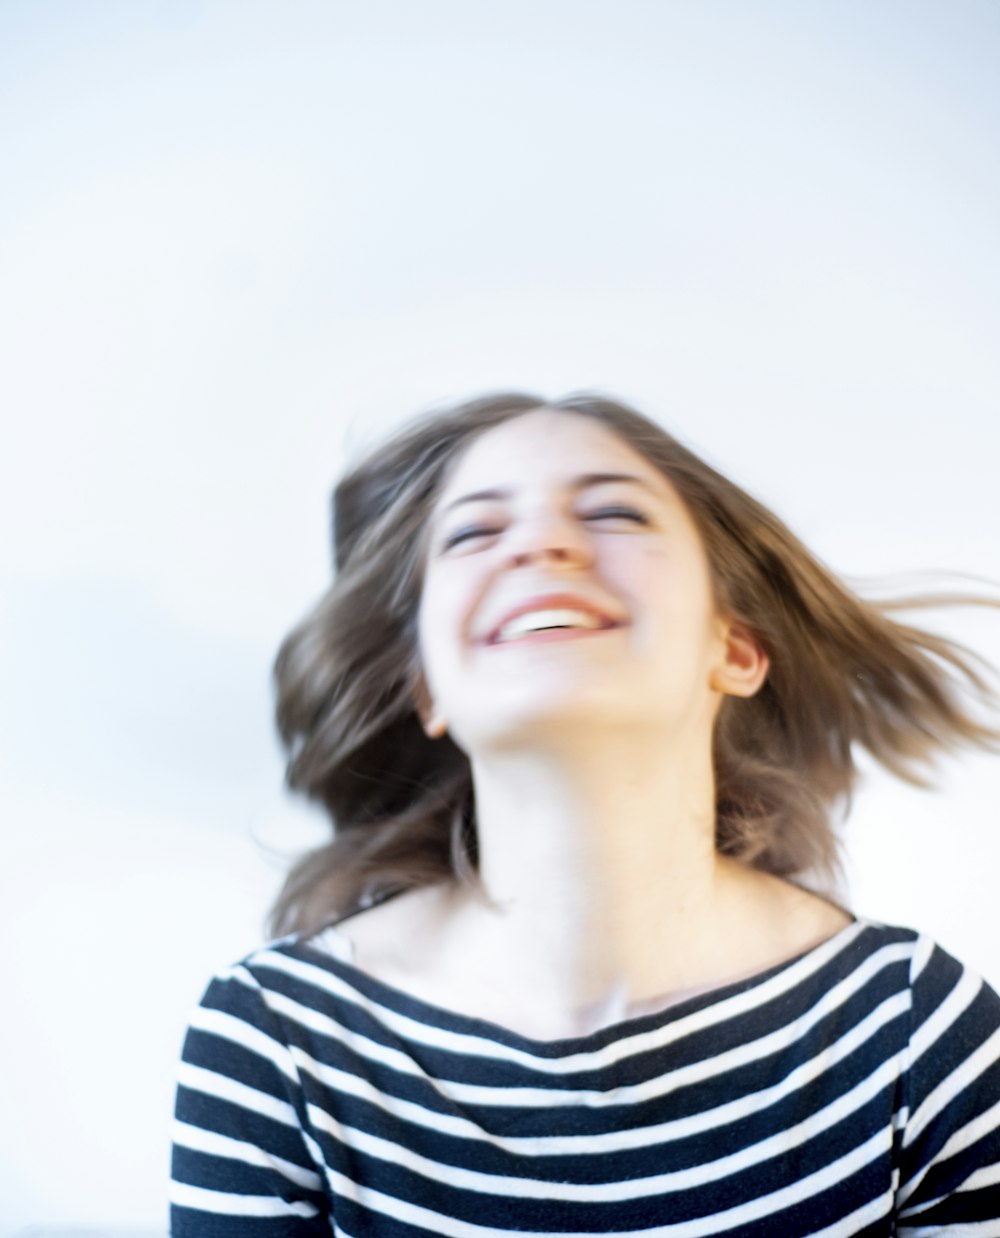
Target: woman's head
[353,686]
[552,517]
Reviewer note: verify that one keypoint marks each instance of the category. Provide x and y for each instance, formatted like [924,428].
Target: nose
[550,538]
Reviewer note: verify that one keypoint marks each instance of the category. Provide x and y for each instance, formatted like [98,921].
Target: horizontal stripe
[963,1139]
[989,1228]
[780,1144]
[187,1136]
[957,1001]
[211,1084]
[963,1076]
[229,1027]
[854,1090]
[602,1058]
[754,1050]
[768,1205]
[227,1204]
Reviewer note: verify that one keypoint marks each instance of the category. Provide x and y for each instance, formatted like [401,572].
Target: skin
[590,752]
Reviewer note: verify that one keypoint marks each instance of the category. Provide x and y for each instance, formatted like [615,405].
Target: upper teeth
[534,620]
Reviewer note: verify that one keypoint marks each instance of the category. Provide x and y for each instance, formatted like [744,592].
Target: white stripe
[603,1144]
[963,1138]
[470,1045]
[923,951]
[704,1227]
[986,1176]
[238,1031]
[974,1229]
[955,1004]
[199,1140]
[613,1140]
[964,1074]
[701,1071]
[223,1203]
[221,1086]
[775,1146]
[860,1219]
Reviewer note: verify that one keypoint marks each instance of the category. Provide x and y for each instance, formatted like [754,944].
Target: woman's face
[554,513]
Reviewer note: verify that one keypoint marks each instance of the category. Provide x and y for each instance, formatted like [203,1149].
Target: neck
[600,859]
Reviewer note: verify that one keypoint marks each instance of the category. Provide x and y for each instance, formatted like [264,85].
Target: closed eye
[604,513]
[464,535]
[624,513]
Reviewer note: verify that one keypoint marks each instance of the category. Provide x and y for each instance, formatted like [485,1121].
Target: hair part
[843,674]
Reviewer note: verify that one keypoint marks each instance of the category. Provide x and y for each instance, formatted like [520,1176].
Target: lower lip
[552,636]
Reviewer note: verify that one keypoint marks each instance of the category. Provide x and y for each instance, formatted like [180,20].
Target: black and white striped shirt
[854,1090]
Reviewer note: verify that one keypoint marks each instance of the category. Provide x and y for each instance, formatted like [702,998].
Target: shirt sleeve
[949,1163]
[243,1165]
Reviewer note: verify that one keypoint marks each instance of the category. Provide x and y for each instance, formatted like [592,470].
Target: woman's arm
[949,1159]
[242,1165]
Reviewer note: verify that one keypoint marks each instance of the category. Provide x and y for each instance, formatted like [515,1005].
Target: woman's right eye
[465,535]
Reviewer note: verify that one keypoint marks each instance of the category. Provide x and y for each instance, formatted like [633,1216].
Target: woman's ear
[744,663]
[434,724]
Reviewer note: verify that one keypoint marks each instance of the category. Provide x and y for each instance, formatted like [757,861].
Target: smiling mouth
[554,615]
[554,635]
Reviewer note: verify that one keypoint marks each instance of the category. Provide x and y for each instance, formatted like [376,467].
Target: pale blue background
[239,238]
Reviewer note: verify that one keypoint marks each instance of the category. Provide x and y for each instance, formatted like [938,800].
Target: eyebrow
[583,482]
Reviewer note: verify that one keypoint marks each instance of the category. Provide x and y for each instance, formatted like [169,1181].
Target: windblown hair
[842,674]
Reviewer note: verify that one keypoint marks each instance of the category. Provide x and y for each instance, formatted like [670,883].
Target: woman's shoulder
[944,1003]
[849,940]
[277,967]
[931,966]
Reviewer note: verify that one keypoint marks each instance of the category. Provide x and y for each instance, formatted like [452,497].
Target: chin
[572,719]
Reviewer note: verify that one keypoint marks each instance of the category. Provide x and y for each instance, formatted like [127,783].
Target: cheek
[675,592]
[437,630]
[425,629]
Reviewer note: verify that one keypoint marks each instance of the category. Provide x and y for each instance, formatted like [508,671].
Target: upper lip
[553,601]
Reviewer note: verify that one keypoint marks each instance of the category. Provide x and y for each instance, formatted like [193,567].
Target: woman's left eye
[610,513]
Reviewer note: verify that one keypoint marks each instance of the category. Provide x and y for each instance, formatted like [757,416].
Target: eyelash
[627,513]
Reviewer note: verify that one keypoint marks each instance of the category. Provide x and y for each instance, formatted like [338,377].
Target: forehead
[545,445]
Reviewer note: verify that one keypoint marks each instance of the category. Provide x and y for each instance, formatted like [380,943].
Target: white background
[240,238]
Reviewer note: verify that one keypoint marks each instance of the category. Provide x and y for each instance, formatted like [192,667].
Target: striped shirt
[854,1090]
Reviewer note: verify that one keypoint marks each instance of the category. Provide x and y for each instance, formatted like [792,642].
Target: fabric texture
[854,1090]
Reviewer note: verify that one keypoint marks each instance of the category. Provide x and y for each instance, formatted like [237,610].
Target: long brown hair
[842,674]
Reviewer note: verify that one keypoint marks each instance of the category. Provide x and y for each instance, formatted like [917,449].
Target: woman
[583,714]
